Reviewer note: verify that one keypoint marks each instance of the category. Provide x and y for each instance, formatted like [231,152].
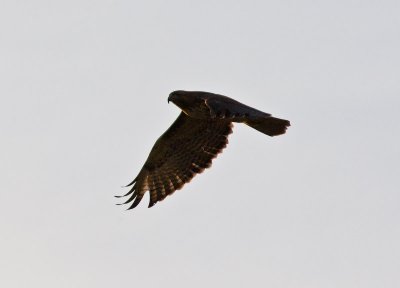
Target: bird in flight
[196,137]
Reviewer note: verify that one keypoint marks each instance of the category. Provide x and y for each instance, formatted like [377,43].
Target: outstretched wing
[183,151]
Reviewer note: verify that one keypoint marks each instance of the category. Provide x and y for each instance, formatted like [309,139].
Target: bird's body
[196,137]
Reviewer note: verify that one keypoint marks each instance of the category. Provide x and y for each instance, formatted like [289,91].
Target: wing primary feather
[130,198]
[153,198]
[136,202]
[133,181]
[129,192]
[161,192]
[153,192]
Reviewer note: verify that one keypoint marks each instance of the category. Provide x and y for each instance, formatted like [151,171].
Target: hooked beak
[171,97]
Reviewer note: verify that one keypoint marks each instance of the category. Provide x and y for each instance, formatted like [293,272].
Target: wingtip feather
[130,184]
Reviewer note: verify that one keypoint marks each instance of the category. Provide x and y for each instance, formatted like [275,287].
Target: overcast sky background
[83,91]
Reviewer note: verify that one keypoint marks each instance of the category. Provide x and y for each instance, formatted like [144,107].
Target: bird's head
[186,100]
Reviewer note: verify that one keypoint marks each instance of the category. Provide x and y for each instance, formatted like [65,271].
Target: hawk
[196,137]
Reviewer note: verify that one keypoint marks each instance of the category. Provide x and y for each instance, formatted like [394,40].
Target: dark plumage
[196,137]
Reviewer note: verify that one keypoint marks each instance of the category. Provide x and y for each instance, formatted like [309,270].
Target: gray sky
[84,96]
